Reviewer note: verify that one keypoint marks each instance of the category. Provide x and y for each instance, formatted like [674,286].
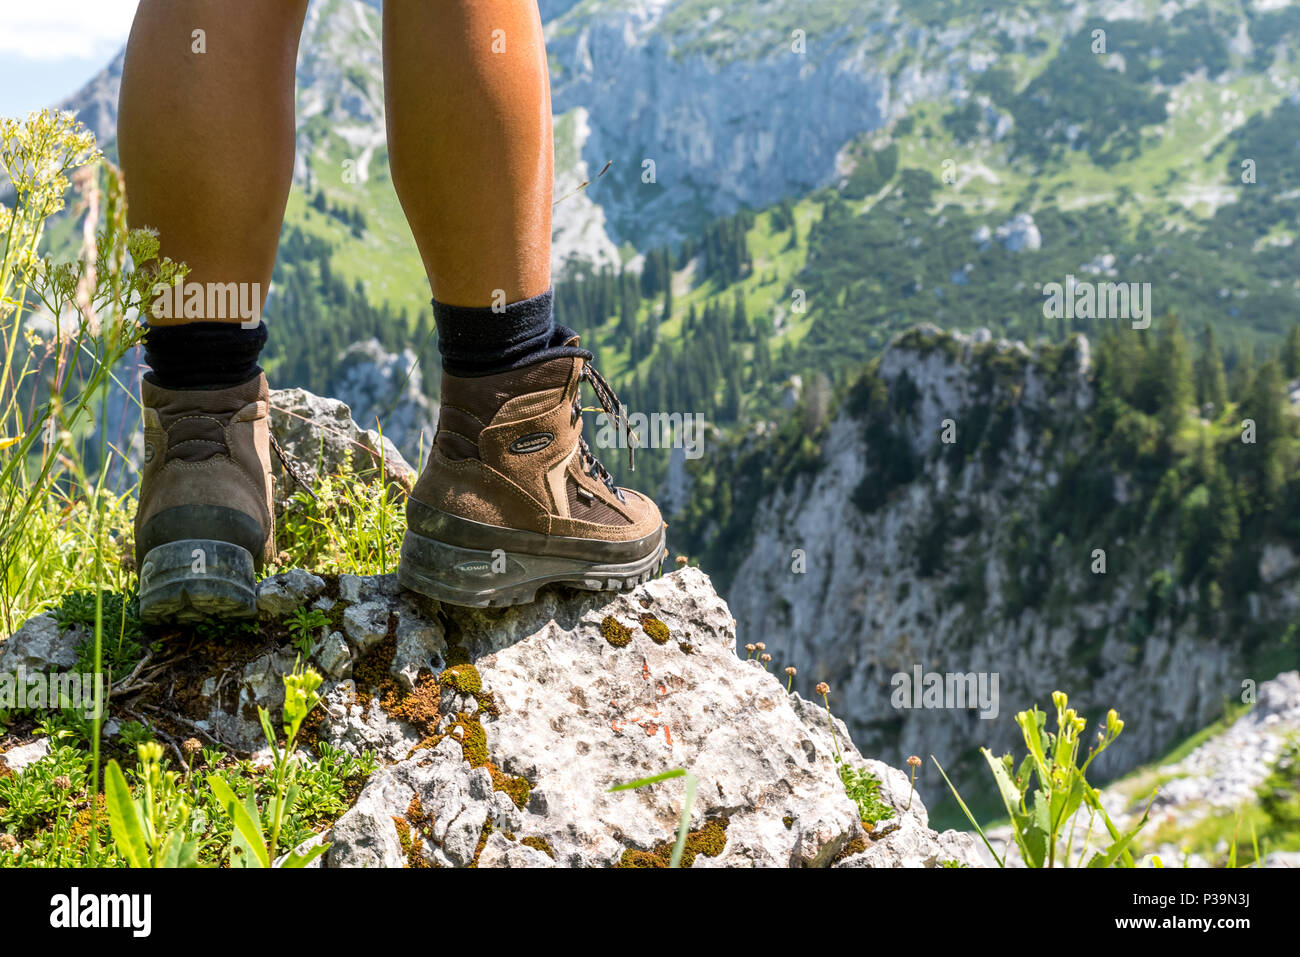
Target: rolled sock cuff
[203,355]
[480,340]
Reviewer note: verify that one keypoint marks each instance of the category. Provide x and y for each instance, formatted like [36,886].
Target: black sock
[478,341]
[203,355]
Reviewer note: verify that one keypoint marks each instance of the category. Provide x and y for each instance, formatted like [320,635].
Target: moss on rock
[656,629]
[615,632]
[709,840]
[540,844]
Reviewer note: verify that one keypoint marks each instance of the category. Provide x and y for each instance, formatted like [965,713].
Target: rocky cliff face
[499,733]
[382,387]
[735,104]
[932,578]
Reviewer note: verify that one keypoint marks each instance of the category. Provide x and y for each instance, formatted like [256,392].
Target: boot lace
[609,402]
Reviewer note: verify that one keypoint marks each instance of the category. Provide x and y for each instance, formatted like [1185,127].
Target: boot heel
[197,578]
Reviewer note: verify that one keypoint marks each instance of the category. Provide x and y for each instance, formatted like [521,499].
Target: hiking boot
[204,525]
[512,497]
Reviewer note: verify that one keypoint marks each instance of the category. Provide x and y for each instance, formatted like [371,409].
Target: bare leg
[206,138]
[469,138]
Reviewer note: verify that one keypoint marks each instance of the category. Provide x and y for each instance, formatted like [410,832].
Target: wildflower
[749,648]
[760,646]
[63,782]
[913,762]
[681,560]
[823,688]
[8,842]
[192,746]
[790,673]
[765,659]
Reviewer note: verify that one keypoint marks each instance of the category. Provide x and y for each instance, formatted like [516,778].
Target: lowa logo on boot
[532,442]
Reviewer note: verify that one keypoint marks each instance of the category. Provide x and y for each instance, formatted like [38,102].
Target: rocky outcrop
[499,733]
[379,386]
[319,436]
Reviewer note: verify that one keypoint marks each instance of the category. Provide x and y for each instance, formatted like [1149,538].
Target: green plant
[1254,844]
[303,625]
[153,828]
[1279,794]
[684,825]
[348,526]
[1039,818]
[251,846]
[132,734]
[124,632]
[30,798]
[862,787]
[48,385]
[226,630]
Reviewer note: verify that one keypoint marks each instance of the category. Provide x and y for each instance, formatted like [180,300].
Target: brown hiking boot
[204,524]
[513,499]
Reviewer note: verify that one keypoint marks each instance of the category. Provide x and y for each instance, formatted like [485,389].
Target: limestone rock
[381,386]
[279,595]
[20,757]
[39,646]
[319,436]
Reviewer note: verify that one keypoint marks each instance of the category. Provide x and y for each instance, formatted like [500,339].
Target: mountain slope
[978,507]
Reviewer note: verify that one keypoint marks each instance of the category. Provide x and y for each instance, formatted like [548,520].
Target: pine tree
[1266,405]
[1211,380]
[1174,389]
[1291,352]
[739,319]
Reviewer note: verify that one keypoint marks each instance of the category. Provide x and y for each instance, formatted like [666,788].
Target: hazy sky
[49,48]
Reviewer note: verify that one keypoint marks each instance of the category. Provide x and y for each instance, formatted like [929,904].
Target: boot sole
[481,578]
[195,579]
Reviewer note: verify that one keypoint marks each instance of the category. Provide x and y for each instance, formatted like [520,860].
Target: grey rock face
[320,436]
[95,104]
[864,613]
[40,646]
[20,757]
[380,387]
[500,732]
